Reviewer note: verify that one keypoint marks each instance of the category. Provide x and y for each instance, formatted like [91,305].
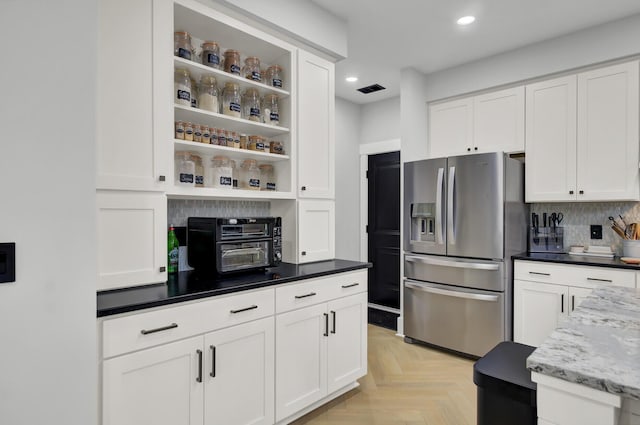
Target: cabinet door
[347,350]
[239,374]
[576,296]
[316,230]
[132,238]
[301,359]
[155,386]
[128,150]
[498,121]
[550,174]
[608,147]
[451,128]
[316,122]
[537,308]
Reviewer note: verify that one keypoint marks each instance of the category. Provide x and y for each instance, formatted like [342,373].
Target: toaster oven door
[243,255]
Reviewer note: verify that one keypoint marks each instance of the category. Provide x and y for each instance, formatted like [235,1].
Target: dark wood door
[384,229]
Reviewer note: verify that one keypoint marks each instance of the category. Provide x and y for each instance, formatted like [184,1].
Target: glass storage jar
[276,147]
[271,109]
[197,133]
[182,87]
[236,139]
[232,61]
[214,135]
[199,170]
[220,175]
[182,45]
[251,105]
[211,54]
[222,137]
[206,134]
[208,94]
[250,175]
[185,169]
[229,136]
[256,143]
[188,132]
[251,69]
[179,130]
[267,177]
[274,76]
[244,141]
[231,102]
[194,93]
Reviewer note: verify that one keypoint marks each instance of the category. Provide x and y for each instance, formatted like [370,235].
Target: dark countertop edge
[614,263]
[224,291]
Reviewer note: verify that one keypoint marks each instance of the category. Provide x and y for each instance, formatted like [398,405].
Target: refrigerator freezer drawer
[479,274]
[467,321]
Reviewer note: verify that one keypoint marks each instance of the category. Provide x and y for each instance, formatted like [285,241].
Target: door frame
[366,149]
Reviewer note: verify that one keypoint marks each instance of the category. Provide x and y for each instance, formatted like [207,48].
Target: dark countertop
[187,286]
[576,260]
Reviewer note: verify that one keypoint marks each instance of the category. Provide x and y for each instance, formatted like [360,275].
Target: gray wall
[48,371]
[380,120]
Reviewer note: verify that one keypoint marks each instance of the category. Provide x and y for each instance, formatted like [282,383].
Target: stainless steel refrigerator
[464,217]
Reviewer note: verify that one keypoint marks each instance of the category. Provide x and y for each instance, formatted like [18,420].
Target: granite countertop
[598,345]
[576,260]
[187,286]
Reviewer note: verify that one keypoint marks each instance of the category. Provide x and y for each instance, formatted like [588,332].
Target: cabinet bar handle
[561,303]
[199,378]
[350,286]
[600,280]
[326,324]
[164,328]
[213,361]
[333,313]
[253,307]
[573,302]
[541,274]
[310,294]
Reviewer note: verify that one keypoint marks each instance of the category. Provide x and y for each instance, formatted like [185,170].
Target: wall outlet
[596,231]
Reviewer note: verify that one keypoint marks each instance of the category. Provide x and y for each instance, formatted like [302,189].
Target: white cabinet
[316,230]
[582,136]
[132,238]
[486,123]
[316,127]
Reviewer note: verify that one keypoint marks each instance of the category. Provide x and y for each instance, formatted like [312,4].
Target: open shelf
[178,192]
[233,153]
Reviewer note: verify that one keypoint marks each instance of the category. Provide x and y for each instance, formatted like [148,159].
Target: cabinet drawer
[583,276]
[345,284]
[143,330]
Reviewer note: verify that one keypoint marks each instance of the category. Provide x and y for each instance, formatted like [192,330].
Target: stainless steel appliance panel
[424,206]
[464,320]
[475,206]
[479,274]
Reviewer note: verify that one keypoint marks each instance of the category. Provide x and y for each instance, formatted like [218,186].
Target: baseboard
[318,403]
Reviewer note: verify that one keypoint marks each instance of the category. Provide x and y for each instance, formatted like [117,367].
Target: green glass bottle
[173,249]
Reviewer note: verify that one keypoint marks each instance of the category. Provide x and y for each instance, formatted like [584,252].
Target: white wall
[348,122]
[47,192]
[413,114]
[597,44]
[380,120]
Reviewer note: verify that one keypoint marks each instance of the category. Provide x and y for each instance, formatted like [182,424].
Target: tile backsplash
[179,210]
[579,216]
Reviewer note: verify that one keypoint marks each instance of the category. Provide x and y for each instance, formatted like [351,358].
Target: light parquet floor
[407,384]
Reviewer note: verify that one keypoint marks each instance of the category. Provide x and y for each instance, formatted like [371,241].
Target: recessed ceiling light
[466,20]
[351,79]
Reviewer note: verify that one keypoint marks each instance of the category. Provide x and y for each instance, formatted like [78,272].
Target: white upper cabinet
[316,230]
[450,128]
[316,122]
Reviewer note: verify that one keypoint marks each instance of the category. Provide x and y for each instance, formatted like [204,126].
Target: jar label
[226,181]
[234,69]
[200,180]
[235,183]
[186,178]
[197,133]
[179,130]
[194,102]
[256,76]
[276,82]
[206,134]
[222,140]
[189,131]
[213,59]
[271,186]
[184,95]
[274,116]
[254,182]
[254,112]
[234,107]
[184,53]
[214,139]
[260,146]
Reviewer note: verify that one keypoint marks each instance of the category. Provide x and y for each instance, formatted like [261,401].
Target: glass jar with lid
[250,175]
[206,135]
[179,130]
[232,62]
[222,137]
[182,45]
[214,135]
[197,133]
[185,169]
[182,87]
[244,141]
[220,174]
[251,69]
[251,105]
[271,109]
[229,136]
[256,143]
[199,170]
[188,132]
[276,147]
[274,76]
[231,102]
[211,54]
[267,177]
[208,94]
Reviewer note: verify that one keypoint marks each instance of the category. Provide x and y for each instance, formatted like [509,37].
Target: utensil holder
[631,248]
[546,239]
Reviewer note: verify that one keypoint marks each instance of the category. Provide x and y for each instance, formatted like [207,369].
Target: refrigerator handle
[439,221]
[451,231]
[449,293]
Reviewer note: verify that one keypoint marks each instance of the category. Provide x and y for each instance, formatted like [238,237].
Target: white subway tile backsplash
[179,210]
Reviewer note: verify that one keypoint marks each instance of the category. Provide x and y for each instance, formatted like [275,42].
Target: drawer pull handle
[600,280]
[253,307]
[573,302]
[310,294]
[540,274]
[562,303]
[164,328]
[350,286]
[199,378]
[213,361]
[326,324]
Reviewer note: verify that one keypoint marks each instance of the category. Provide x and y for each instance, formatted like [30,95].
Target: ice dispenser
[423,222]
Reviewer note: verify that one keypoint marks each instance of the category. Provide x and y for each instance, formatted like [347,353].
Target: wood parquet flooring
[406,384]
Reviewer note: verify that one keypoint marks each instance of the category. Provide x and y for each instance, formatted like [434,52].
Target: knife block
[546,239]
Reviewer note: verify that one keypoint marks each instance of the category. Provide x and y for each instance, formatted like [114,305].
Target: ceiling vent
[371,89]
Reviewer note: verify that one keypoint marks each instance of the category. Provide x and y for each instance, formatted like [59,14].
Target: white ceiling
[385,36]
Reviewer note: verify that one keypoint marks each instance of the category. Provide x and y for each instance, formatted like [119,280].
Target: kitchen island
[588,370]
